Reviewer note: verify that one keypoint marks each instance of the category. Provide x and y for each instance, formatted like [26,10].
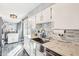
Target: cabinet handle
[50,13]
[41,16]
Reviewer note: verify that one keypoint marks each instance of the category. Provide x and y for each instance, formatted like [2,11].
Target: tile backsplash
[67,34]
[44,26]
[72,35]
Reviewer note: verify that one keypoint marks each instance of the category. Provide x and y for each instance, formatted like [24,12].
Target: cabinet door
[27,35]
[38,18]
[32,48]
[38,53]
[27,45]
[33,21]
[47,14]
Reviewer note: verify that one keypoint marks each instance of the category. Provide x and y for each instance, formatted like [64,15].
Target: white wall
[66,16]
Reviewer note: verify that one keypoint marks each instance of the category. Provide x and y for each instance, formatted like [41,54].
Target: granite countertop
[63,48]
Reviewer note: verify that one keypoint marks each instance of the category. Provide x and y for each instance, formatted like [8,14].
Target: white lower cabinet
[38,53]
[35,49]
[27,48]
[27,44]
[32,49]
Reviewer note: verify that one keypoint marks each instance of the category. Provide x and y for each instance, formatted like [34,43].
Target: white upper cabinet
[38,17]
[47,13]
[44,16]
[32,21]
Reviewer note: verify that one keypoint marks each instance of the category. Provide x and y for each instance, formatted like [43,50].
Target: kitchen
[47,29]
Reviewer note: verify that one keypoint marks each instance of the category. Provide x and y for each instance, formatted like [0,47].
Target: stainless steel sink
[39,40]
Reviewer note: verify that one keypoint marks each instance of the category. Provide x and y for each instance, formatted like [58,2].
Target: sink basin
[39,40]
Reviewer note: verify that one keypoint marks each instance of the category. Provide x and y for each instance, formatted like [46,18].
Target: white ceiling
[20,9]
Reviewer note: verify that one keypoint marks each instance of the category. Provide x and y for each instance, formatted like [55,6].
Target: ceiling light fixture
[13,16]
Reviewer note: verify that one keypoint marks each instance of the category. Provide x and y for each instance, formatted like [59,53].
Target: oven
[51,53]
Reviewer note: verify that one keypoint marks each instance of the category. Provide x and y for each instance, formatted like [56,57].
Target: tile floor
[8,47]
